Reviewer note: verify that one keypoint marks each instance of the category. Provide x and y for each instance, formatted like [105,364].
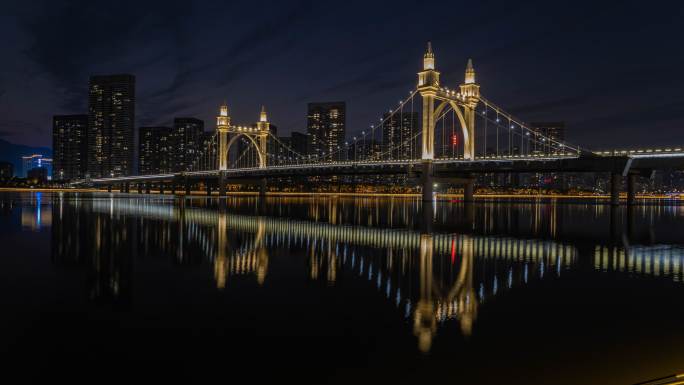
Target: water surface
[100,287]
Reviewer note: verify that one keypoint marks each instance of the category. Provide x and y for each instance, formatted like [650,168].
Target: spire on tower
[470,73]
[263,117]
[223,120]
[429,58]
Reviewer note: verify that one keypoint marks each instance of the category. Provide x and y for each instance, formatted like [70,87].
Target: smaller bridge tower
[470,92]
[223,128]
[257,134]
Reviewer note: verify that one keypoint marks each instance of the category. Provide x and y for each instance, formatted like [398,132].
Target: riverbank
[674,197]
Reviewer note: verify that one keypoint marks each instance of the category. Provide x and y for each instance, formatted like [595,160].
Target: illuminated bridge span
[435,133]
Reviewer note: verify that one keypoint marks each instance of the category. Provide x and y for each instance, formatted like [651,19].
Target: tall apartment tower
[326,127]
[69,146]
[154,148]
[111,125]
[186,143]
[400,139]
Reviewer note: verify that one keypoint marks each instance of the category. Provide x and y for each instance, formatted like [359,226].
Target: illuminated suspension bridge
[444,134]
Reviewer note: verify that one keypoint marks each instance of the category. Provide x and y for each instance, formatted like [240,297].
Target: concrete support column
[631,189]
[262,187]
[187,186]
[161,188]
[615,186]
[222,183]
[140,187]
[109,188]
[469,191]
[428,183]
[148,188]
[122,188]
[173,188]
[208,187]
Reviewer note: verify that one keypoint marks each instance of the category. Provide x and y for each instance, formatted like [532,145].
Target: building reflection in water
[431,276]
[36,214]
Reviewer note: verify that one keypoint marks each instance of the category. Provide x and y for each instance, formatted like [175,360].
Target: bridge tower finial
[470,88]
[263,117]
[223,119]
[470,73]
[429,58]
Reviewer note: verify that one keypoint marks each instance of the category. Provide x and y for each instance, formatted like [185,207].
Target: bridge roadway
[455,170]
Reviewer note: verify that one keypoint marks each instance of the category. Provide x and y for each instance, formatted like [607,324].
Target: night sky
[613,71]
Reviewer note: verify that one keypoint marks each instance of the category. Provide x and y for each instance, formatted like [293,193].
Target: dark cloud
[598,66]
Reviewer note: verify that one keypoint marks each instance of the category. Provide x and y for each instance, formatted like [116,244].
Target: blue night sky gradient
[611,70]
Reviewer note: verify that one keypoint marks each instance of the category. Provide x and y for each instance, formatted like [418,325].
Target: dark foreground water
[124,288]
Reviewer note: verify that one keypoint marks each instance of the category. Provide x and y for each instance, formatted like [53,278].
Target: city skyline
[192,74]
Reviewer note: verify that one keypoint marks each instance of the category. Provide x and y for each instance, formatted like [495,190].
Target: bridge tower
[428,85]
[263,127]
[223,128]
[470,93]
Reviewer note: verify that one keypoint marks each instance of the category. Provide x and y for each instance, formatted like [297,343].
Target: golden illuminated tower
[263,127]
[428,85]
[470,91]
[222,128]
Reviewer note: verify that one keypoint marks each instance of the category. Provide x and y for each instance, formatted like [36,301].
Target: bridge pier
[469,191]
[615,186]
[173,188]
[121,188]
[187,186]
[631,189]
[262,187]
[161,188]
[207,185]
[428,181]
[148,188]
[109,188]
[140,187]
[222,183]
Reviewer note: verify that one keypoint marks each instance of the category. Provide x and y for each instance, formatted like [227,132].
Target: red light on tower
[454,140]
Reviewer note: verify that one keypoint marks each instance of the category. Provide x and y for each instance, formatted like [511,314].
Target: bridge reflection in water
[431,277]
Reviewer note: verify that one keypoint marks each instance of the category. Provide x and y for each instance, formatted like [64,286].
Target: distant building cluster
[103,142]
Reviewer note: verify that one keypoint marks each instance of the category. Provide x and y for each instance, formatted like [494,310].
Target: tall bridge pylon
[256,134]
[463,104]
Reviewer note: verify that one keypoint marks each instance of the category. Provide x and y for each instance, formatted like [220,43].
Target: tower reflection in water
[430,276]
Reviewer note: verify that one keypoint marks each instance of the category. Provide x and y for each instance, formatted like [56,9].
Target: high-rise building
[29,162]
[326,127]
[185,142]
[551,132]
[6,171]
[154,144]
[111,125]
[69,146]
[37,175]
[209,145]
[400,137]
[298,142]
